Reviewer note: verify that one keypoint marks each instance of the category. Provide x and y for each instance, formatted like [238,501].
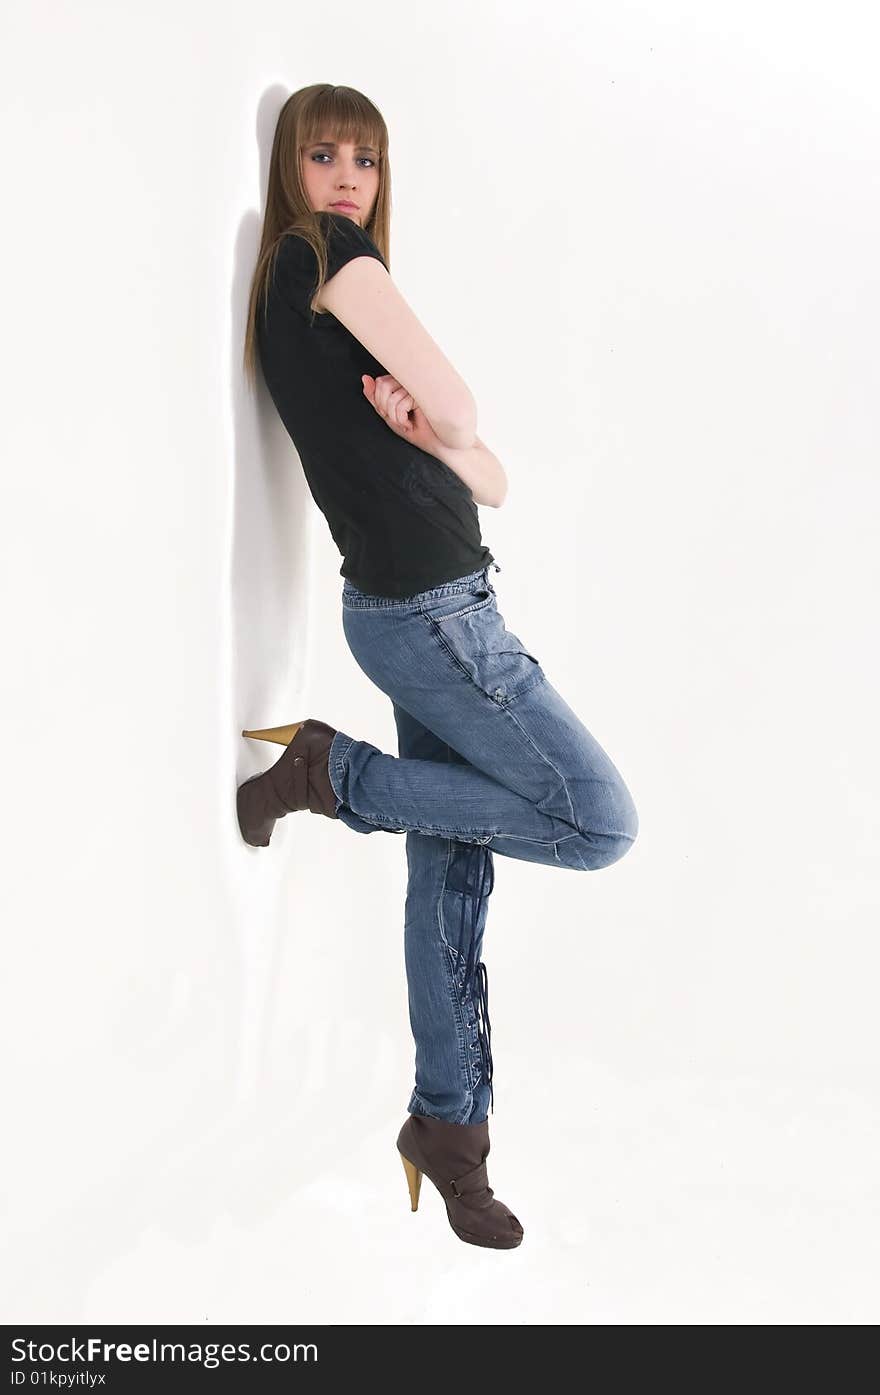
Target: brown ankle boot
[299,779]
[454,1157]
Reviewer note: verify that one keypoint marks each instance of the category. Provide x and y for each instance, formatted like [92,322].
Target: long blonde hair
[312,114]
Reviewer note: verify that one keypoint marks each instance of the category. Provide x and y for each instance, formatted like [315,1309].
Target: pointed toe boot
[453,1156]
[299,779]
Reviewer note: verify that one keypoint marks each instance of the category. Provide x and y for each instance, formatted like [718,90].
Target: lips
[344,203]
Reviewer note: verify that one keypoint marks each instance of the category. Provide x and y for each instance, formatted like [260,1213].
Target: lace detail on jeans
[476,976]
[484,1029]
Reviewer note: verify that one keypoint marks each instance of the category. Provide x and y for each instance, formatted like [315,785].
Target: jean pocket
[454,604]
[476,639]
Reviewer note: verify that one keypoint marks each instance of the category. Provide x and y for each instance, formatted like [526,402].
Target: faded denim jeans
[490,760]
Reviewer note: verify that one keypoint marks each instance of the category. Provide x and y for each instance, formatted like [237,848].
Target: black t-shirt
[402,519]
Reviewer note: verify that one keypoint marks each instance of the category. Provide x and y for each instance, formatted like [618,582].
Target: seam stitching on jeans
[547,761]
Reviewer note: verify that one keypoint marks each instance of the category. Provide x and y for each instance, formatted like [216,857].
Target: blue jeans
[490,760]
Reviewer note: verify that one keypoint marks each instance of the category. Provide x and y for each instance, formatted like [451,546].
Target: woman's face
[332,172]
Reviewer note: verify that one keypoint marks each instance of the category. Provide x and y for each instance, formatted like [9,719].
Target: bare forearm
[480,470]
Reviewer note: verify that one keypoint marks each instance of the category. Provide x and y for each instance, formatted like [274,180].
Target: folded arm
[480,470]
[364,298]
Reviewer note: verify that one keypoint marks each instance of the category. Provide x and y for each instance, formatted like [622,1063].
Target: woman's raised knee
[614,846]
[594,850]
[610,826]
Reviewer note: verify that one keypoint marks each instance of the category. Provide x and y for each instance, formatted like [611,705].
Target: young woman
[490,757]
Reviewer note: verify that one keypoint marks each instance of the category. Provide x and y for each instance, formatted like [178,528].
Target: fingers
[400,404]
[391,399]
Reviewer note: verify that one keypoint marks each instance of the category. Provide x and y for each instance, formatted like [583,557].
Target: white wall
[646,234]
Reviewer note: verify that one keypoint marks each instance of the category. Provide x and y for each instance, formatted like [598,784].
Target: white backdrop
[646,235]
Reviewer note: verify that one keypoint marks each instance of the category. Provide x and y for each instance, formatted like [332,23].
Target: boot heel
[414,1181]
[282,735]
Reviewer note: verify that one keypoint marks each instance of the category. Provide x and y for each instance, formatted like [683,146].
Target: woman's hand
[398,410]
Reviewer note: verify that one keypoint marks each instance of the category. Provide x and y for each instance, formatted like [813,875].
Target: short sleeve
[298,266]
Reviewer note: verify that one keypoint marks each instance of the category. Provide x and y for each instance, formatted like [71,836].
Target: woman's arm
[480,470]
[364,298]
[474,463]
